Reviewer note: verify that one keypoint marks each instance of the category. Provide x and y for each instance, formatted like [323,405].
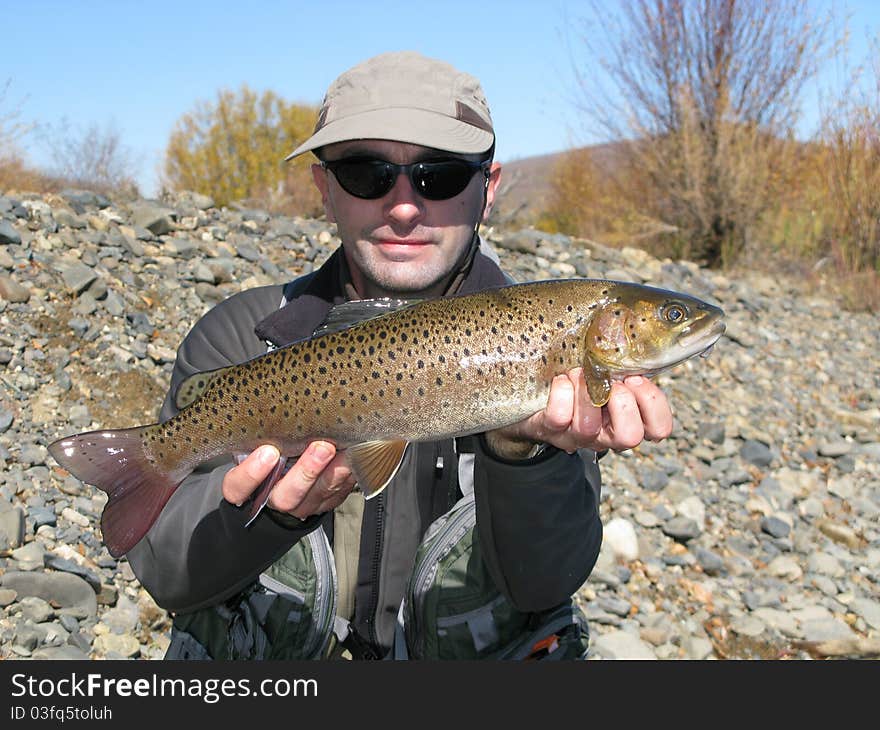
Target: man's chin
[409,278]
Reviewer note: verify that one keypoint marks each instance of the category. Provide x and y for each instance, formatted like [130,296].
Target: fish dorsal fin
[374,464]
[192,388]
[598,383]
[344,315]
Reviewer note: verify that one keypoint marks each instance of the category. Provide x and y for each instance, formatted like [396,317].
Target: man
[405,170]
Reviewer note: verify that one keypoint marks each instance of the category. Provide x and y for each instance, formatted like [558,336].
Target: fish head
[641,330]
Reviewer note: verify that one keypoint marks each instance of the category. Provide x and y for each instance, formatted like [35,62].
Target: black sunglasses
[371,178]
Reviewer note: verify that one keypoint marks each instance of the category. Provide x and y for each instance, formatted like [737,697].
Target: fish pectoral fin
[193,387]
[374,464]
[598,384]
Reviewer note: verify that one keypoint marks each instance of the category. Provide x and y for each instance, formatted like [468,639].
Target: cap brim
[413,126]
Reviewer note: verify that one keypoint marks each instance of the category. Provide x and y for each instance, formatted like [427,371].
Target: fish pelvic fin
[375,463]
[137,488]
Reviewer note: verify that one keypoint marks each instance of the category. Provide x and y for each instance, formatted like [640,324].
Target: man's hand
[637,410]
[319,480]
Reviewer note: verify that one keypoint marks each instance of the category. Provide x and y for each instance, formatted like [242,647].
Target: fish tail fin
[136,486]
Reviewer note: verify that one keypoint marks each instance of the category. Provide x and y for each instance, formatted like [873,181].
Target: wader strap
[347,520]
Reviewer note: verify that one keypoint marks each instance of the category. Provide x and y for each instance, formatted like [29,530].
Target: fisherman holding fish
[404,147]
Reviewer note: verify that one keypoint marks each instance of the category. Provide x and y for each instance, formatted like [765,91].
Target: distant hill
[525,183]
[525,188]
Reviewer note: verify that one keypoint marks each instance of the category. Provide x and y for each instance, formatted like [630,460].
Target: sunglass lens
[441,180]
[365,178]
[371,179]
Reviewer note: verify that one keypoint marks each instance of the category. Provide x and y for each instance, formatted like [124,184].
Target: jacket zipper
[374,576]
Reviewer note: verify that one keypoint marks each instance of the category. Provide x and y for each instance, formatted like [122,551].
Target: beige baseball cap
[405,97]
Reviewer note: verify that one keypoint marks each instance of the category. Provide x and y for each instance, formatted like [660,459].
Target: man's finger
[240,481]
[626,427]
[654,407]
[587,419]
[296,484]
[560,405]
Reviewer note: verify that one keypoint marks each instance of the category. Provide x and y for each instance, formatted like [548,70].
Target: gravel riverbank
[752,532]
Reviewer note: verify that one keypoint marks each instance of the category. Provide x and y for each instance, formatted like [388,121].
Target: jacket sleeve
[198,551]
[538,523]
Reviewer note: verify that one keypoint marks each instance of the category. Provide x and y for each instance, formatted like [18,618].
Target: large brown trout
[421,372]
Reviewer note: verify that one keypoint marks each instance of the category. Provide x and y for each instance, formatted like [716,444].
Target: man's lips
[402,242]
[402,250]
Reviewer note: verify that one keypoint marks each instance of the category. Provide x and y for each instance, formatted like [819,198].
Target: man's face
[402,243]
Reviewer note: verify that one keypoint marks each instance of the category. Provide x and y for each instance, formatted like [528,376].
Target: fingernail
[321,451]
[635,380]
[268,455]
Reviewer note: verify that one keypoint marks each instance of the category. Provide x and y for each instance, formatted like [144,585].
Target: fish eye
[674,312]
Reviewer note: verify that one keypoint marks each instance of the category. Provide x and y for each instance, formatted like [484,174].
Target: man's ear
[319,175]
[492,188]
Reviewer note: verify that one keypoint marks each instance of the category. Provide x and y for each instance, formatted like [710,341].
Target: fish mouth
[692,342]
[699,340]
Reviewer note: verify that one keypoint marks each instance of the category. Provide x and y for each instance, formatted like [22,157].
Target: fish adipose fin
[115,462]
[192,388]
[374,464]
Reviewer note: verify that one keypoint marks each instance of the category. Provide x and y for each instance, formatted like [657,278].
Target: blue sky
[139,66]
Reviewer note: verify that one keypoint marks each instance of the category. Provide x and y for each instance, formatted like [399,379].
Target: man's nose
[402,203]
